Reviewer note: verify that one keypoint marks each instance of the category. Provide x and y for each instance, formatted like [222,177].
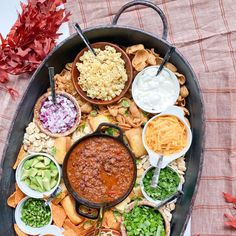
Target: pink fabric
[205,33]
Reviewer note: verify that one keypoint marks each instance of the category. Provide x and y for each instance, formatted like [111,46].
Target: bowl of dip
[167,134]
[59,119]
[155,94]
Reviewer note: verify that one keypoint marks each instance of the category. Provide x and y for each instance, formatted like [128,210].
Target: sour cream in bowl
[153,93]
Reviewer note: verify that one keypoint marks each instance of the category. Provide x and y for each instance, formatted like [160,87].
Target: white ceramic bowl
[179,113]
[26,189]
[157,202]
[172,76]
[25,228]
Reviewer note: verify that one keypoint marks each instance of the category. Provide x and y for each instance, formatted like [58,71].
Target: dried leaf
[229,198]
[31,38]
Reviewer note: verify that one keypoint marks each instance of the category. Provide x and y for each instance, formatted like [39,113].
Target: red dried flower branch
[231,219]
[32,37]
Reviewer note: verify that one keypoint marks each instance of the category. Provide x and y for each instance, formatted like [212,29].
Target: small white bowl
[25,188]
[25,228]
[153,156]
[157,202]
[164,70]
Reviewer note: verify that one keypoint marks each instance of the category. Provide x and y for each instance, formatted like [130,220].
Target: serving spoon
[84,38]
[166,59]
[156,173]
[51,73]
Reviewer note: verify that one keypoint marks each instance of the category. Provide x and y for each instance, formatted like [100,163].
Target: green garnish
[125,103]
[117,215]
[82,127]
[35,214]
[167,184]
[40,173]
[93,113]
[53,151]
[126,112]
[112,131]
[144,220]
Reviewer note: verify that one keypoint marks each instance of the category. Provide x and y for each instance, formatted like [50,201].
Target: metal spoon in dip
[84,38]
[156,173]
[51,73]
[53,195]
[166,59]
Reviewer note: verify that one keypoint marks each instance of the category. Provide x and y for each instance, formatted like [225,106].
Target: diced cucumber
[53,183]
[34,162]
[46,161]
[53,166]
[34,181]
[46,184]
[39,180]
[33,172]
[40,158]
[54,173]
[28,164]
[34,186]
[40,172]
[47,174]
[27,182]
[25,174]
[40,165]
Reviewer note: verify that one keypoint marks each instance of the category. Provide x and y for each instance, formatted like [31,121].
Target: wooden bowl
[38,107]
[76,73]
[144,203]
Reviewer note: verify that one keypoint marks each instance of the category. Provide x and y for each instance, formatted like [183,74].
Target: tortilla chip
[61,145]
[111,220]
[11,200]
[68,204]
[69,232]
[181,78]
[18,231]
[19,195]
[123,205]
[171,67]
[140,59]
[69,225]
[133,49]
[94,122]
[58,215]
[21,155]
[151,59]
[134,137]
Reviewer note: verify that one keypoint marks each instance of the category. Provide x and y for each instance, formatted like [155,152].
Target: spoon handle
[52,84]
[170,199]
[166,59]
[53,195]
[84,38]
[156,173]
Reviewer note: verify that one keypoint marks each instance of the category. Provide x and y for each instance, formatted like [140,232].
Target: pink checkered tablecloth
[205,33]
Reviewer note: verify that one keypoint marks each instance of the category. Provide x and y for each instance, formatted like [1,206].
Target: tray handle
[99,130]
[85,214]
[148,4]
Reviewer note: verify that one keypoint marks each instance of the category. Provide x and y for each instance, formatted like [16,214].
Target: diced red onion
[60,117]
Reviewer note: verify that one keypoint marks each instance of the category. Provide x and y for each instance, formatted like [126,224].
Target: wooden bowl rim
[128,83]
[144,203]
[39,124]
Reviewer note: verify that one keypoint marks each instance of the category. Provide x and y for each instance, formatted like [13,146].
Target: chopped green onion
[125,103]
